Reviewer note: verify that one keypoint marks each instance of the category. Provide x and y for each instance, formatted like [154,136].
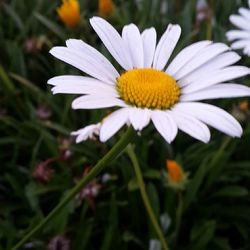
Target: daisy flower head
[149,87]
[240,37]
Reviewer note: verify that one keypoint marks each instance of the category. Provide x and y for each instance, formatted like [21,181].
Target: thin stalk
[145,198]
[101,164]
[178,217]
[209,22]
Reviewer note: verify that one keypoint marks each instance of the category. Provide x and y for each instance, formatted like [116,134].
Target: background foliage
[40,161]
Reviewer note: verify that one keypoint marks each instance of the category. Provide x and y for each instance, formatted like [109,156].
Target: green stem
[209,23]
[178,217]
[111,155]
[145,198]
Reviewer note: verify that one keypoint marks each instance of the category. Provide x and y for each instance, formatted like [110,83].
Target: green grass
[35,127]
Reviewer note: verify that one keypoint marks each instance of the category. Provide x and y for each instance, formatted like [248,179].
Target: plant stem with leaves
[145,197]
[101,164]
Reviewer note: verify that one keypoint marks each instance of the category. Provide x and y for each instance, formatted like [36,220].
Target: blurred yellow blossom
[105,7]
[69,12]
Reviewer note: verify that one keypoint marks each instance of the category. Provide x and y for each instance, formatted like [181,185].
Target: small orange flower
[244,106]
[69,12]
[175,171]
[177,178]
[105,7]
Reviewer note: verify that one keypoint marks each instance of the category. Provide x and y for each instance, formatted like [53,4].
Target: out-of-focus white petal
[112,123]
[132,38]
[245,13]
[212,116]
[237,34]
[240,22]
[112,41]
[240,44]
[165,125]
[149,43]
[217,91]
[166,46]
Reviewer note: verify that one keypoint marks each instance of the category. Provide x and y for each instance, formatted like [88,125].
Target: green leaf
[154,198]
[13,15]
[152,174]
[133,185]
[112,228]
[221,243]
[202,234]
[231,191]
[51,25]
[5,81]
[194,184]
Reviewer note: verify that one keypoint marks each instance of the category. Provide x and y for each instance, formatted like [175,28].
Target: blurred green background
[40,162]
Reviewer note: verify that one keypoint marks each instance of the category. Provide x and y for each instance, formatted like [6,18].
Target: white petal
[113,123]
[216,77]
[240,44]
[96,101]
[81,85]
[206,69]
[240,22]
[201,58]
[101,62]
[246,50]
[191,126]
[185,56]
[212,116]
[112,41]
[86,132]
[166,46]
[57,80]
[139,118]
[87,65]
[218,91]
[165,125]
[132,38]
[237,34]
[245,13]
[149,43]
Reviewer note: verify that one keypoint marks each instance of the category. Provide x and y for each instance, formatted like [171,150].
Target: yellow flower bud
[69,13]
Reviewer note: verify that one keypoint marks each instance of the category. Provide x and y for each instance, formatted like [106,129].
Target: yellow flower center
[69,12]
[148,88]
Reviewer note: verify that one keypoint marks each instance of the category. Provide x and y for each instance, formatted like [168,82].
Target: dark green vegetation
[40,162]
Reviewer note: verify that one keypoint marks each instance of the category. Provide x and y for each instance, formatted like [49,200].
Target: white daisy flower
[148,90]
[241,37]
